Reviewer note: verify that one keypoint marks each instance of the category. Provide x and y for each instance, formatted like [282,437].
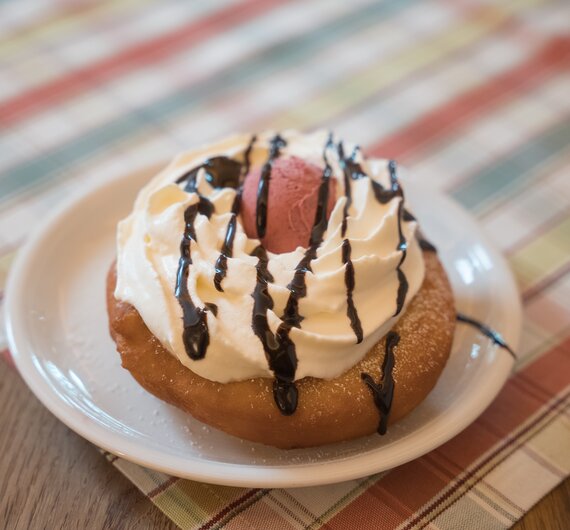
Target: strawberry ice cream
[292,201]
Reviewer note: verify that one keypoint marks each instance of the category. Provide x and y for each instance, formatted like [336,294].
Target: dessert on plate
[277,287]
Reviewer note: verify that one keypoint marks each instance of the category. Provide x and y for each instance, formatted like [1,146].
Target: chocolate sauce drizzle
[297,287]
[220,172]
[351,311]
[408,216]
[425,245]
[213,308]
[488,332]
[263,189]
[279,348]
[383,392]
[403,247]
[422,241]
[221,266]
[195,335]
[247,158]
[351,170]
[385,195]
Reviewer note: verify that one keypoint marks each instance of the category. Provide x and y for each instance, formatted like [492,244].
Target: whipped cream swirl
[383,252]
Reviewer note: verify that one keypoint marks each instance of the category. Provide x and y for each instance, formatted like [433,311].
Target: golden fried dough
[329,410]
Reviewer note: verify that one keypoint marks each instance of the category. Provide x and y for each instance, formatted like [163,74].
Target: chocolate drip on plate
[351,311]
[263,189]
[383,392]
[487,331]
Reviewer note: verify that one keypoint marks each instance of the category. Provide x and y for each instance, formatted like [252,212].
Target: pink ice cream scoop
[291,203]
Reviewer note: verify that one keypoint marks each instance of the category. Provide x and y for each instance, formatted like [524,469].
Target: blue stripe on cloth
[264,63]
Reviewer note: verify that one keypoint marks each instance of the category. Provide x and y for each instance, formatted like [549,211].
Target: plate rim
[250,475]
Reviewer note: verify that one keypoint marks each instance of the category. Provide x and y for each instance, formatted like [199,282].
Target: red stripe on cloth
[397,500]
[162,487]
[553,373]
[510,409]
[474,475]
[137,56]
[437,124]
[5,354]
[446,464]
[365,512]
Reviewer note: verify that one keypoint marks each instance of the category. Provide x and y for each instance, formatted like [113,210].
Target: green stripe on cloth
[5,263]
[466,481]
[543,256]
[266,62]
[59,24]
[370,83]
[324,517]
[514,169]
[147,480]
[187,514]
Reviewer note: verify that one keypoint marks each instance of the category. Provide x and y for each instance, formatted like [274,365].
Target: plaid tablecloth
[473,96]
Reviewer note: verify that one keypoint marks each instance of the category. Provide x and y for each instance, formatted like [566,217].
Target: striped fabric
[471,96]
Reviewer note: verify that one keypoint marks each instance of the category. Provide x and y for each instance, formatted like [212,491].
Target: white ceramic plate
[57,331]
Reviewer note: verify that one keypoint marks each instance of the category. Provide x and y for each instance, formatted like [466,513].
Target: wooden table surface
[52,478]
